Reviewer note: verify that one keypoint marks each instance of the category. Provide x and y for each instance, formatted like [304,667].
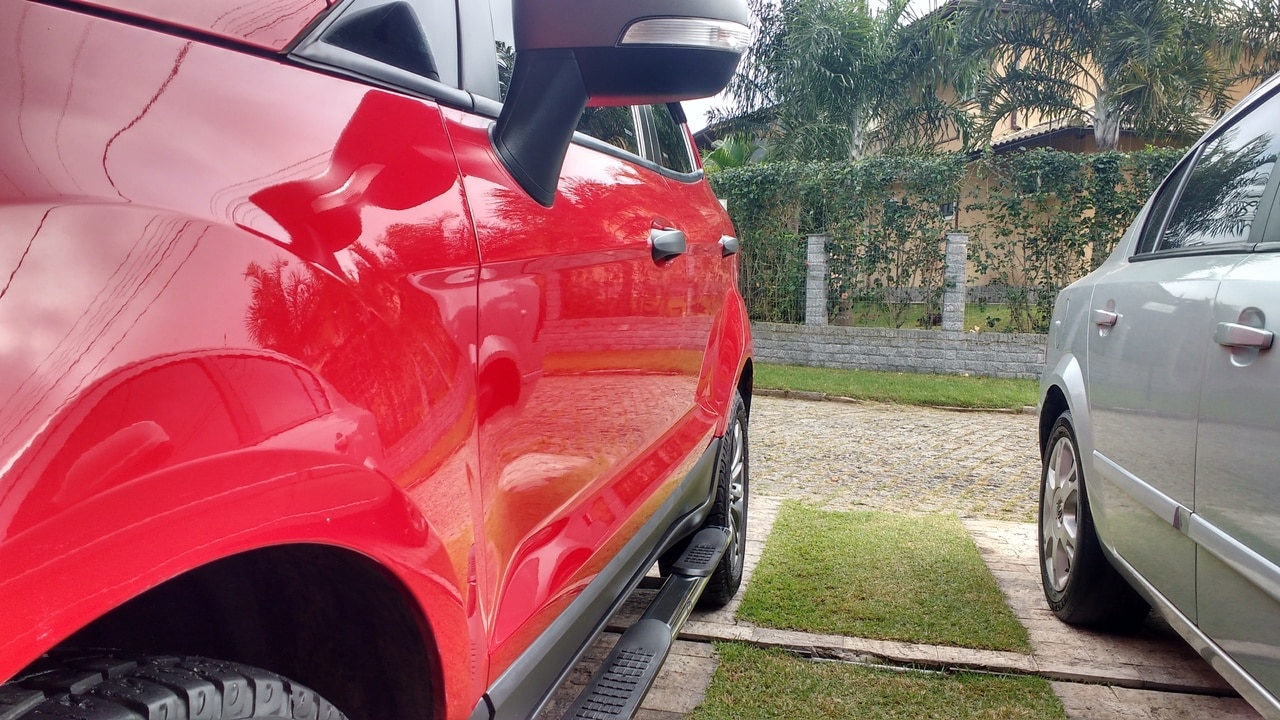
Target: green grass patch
[915,579]
[992,317]
[753,683]
[901,388]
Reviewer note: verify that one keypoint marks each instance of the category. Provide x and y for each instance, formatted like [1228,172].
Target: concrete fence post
[953,293]
[815,291]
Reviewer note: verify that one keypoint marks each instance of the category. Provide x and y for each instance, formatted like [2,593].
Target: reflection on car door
[1238,472]
[1146,350]
[590,352]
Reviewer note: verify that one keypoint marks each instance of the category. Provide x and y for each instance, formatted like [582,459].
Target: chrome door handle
[666,243]
[1242,336]
[728,246]
[1105,318]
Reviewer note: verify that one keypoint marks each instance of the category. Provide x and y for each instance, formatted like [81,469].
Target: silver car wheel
[737,495]
[1060,513]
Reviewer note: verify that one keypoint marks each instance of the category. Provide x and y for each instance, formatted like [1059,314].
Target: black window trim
[312,52]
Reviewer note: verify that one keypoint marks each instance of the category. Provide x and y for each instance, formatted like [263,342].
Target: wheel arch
[325,616]
[733,368]
[746,383]
[1063,389]
[328,575]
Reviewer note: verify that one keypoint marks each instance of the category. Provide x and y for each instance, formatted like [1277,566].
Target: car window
[1220,197]
[1160,209]
[671,149]
[613,125]
[504,41]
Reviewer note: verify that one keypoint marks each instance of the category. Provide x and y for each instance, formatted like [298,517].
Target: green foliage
[733,151]
[833,79]
[882,215]
[902,388]
[1050,217]
[754,683]
[1258,22]
[1153,66]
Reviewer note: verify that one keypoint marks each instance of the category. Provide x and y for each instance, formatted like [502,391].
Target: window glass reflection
[673,145]
[1221,196]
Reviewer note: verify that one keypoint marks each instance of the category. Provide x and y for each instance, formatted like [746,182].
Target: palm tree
[832,79]
[1259,38]
[1153,66]
[733,151]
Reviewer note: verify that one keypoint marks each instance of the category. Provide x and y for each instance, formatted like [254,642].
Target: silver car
[1160,413]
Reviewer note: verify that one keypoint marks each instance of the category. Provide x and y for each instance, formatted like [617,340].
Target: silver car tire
[1080,584]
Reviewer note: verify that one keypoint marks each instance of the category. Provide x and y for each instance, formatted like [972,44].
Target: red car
[354,364]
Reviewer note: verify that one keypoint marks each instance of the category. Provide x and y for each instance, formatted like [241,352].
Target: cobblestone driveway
[844,456]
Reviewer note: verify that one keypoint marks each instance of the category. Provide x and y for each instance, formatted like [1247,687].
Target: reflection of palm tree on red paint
[372,336]
[392,154]
[380,342]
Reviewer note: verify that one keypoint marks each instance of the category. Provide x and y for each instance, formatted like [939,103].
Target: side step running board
[617,688]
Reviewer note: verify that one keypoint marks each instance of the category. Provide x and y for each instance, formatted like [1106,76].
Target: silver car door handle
[728,245]
[666,243]
[1105,318]
[1242,336]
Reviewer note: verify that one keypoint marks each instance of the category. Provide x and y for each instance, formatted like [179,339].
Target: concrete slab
[1152,657]
[1101,702]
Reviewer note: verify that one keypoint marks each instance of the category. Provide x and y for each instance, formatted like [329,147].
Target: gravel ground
[895,458]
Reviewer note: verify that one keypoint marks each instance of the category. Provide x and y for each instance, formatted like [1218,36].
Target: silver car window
[1220,198]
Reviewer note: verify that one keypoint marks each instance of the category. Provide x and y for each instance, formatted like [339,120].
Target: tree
[1259,38]
[733,151]
[833,79]
[1157,67]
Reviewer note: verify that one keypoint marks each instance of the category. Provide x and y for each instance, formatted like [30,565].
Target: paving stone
[982,466]
[895,458]
[1101,702]
[1153,656]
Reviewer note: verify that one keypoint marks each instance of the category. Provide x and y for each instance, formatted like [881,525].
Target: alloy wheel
[737,495]
[1060,513]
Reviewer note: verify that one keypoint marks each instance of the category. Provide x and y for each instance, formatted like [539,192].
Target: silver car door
[1237,521]
[1154,319]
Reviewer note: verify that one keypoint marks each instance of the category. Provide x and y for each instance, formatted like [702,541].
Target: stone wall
[928,351]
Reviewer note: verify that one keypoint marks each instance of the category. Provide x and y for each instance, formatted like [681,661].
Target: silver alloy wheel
[1060,513]
[737,495]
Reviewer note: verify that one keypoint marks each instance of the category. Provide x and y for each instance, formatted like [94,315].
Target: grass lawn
[994,317]
[901,388]
[867,574]
[765,683]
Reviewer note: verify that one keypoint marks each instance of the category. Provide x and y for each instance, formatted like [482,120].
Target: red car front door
[590,351]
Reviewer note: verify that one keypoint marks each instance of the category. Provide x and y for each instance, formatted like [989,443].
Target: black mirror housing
[614,52]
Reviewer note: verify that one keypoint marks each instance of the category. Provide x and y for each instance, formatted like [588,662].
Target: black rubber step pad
[703,553]
[628,672]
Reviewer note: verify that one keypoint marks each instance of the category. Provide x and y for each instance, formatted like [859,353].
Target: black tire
[733,490]
[1079,582]
[117,687]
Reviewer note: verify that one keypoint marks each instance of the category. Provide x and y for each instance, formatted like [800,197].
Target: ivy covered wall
[1037,221]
